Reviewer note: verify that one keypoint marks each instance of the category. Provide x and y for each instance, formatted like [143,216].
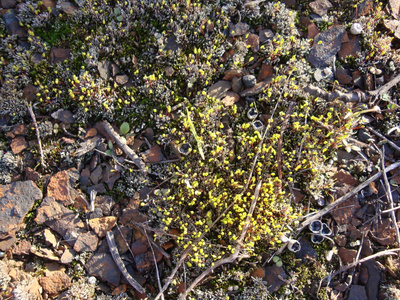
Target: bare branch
[32,114]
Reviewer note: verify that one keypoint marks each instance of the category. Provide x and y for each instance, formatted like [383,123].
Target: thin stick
[384,138]
[128,151]
[32,114]
[345,268]
[386,87]
[233,256]
[155,263]
[353,192]
[389,197]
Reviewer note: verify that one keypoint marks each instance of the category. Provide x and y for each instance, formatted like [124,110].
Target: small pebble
[249,81]
[356,29]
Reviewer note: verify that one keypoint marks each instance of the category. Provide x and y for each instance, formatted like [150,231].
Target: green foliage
[124,128]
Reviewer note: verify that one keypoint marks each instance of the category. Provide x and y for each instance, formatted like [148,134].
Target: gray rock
[320,7]
[218,90]
[249,81]
[307,250]
[265,34]
[16,200]
[272,279]
[8,3]
[103,267]
[12,24]
[86,242]
[104,68]
[364,136]
[326,46]
[238,29]
[258,88]
[321,74]
[64,116]
[357,292]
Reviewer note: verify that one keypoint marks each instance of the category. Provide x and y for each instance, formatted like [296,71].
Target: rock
[50,238]
[394,26]
[364,8]
[29,92]
[237,84]
[320,7]
[138,247]
[122,79]
[258,273]
[102,225]
[69,8]
[238,29]
[64,116]
[22,247]
[86,242]
[350,48]
[68,256]
[16,199]
[105,203]
[104,68]
[394,6]
[55,283]
[99,188]
[347,256]
[265,72]
[253,41]
[374,277]
[12,24]
[60,186]
[312,31]
[265,34]
[323,74]
[289,3]
[58,55]
[272,279]
[103,267]
[364,136]
[8,3]
[306,251]
[153,155]
[342,76]
[96,174]
[218,90]
[18,144]
[343,213]
[31,174]
[230,74]
[130,216]
[345,177]
[326,46]
[249,81]
[230,99]
[50,3]
[92,132]
[385,233]
[256,89]
[357,292]
[356,29]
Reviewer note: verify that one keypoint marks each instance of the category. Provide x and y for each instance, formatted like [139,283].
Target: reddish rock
[253,41]
[92,132]
[364,8]
[122,79]
[96,174]
[31,174]
[60,186]
[102,225]
[230,74]
[320,7]
[394,6]
[68,256]
[385,233]
[258,88]
[49,3]
[59,55]
[238,29]
[138,247]
[69,8]
[55,283]
[17,199]
[86,242]
[130,216]
[22,247]
[19,129]
[343,213]
[237,84]
[345,177]
[153,155]
[272,279]
[347,256]
[227,55]
[258,273]
[218,90]
[312,31]
[230,99]
[18,144]
[341,240]
[350,48]
[343,77]
[265,72]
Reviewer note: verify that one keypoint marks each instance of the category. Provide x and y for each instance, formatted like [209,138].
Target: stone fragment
[153,155]
[99,188]
[258,273]
[265,34]
[104,68]
[347,256]
[306,251]
[64,116]
[138,247]
[29,92]
[249,81]
[18,144]
[364,8]
[320,7]
[357,292]
[60,186]
[22,247]
[385,233]
[68,256]
[350,48]
[394,6]
[122,79]
[343,213]
[374,277]
[253,41]
[102,225]
[16,199]
[103,267]
[342,76]
[237,84]
[130,216]
[230,99]
[145,261]
[238,29]
[31,174]
[265,72]
[230,74]
[105,203]
[50,3]
[55,283]
[50,237]
[92,132]
[86,242]
[256,89]
[8,3]
[394,26]
[312,31]
[58,55]
[13,25]
[345,177]
[326,46]
[96,174]
[272,274]
[218,90]
[68,7]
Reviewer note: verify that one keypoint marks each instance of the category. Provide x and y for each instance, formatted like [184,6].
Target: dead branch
[32,114]
[355,96]
[118,261]
[128,151]
[377,133]
[388,192]
[231,258]
[353,192]
[345,268]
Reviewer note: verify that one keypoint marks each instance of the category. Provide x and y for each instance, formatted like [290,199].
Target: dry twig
[32,114]
[128,151]
[353,192]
